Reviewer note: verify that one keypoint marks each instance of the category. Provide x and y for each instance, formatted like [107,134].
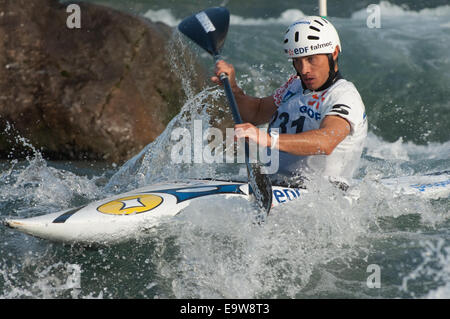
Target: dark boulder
[103,91]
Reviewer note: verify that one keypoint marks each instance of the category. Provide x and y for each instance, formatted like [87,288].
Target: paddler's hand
[247,130]
[224,67]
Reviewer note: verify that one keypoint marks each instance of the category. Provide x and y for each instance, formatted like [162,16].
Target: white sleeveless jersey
[302,110]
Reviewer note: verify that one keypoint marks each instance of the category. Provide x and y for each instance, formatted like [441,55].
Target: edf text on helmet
[301,50]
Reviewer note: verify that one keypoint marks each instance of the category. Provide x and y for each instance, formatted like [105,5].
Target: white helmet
[310,35]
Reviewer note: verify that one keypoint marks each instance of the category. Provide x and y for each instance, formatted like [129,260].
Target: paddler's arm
[252,109]
[322,141]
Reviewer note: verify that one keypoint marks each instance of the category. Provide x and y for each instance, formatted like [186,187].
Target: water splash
[38,186]
[316,247]
[286,17]
[154,162]
[432,272]
[224,254]
[56,280]
[391,10]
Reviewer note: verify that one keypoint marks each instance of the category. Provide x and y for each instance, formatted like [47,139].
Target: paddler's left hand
[228,69]
[248,130]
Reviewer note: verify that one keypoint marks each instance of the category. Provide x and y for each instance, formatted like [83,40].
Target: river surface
[317,247]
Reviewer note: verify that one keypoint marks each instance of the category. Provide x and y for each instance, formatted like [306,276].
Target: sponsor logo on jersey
[317,99]
[287,96]
[135,204]
[310,112]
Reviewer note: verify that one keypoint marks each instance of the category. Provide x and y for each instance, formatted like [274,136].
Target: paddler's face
[313,69]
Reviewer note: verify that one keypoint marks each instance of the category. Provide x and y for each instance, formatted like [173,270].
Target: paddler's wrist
[237,90]
[274,139]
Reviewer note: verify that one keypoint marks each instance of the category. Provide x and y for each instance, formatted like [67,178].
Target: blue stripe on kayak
[182,196]
[423,187]
[438,173]
[66,215]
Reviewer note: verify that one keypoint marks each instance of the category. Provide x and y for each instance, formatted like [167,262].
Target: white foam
[400,150]
[378,148]
[223,254]
[388,9]
[435,264]
[36,182]
[47,282]
[166,16]
[286,18]
[440,293]
[162,15]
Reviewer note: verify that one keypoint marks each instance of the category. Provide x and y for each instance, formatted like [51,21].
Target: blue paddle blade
[208,28]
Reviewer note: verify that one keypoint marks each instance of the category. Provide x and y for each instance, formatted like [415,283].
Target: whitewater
[322,246]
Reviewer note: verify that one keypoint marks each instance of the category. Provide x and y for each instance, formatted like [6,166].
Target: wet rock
[102,91]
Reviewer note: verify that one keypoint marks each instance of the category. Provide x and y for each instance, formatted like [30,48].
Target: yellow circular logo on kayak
[135,204]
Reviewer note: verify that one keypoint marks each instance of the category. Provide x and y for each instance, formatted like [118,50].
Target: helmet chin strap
[332,74]
[331,63]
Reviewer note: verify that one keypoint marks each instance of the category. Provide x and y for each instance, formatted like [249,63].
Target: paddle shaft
[231,99]
[234,109]
[230,96]
[208,29]
[253,171]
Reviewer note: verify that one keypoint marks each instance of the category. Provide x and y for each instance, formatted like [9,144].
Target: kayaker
[320,117]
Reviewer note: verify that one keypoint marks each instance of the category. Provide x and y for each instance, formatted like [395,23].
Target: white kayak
[121,217]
